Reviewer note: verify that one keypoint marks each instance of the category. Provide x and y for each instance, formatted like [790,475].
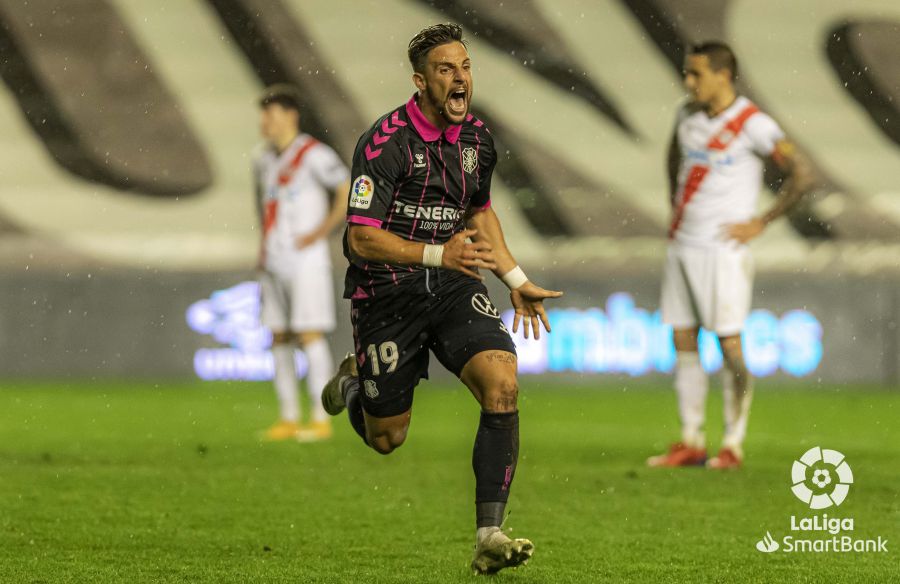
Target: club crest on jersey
[362,192]
[726,136]
[469,159]
[370,388]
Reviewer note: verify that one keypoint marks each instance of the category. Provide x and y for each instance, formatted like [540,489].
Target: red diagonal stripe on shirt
[286,174]
[271,212]
[698,172]
[691,186]
[730,131]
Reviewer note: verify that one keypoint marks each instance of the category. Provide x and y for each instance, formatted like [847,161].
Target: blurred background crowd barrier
[127,221]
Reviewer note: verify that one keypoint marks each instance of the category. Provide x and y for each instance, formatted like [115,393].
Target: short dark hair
[720,56]
[284,94]
[430,37]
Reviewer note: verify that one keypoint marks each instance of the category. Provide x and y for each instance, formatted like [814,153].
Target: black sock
[489,514]
[350,389]
[494,462]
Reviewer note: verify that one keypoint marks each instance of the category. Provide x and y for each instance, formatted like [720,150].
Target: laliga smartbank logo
[821,478]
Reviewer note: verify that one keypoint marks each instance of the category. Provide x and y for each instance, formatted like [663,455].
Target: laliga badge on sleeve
[361,192]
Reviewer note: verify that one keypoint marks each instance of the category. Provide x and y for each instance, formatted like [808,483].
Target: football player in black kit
[421,190]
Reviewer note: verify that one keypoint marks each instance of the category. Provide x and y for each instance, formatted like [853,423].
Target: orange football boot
[679,454]
[725,460]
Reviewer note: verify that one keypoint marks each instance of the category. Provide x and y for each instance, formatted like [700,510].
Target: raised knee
[502,396]
[381,445]
[388,441]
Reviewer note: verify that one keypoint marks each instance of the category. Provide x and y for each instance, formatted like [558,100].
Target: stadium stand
[108,101]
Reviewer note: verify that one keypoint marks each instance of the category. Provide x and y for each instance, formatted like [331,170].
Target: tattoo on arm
[798,179]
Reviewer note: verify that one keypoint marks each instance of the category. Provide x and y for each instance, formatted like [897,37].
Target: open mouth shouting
[457,103]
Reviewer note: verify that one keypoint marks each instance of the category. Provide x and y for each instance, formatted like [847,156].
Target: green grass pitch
[138,482]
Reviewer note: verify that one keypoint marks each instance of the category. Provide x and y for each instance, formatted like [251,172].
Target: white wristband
[432,255]
[514,278]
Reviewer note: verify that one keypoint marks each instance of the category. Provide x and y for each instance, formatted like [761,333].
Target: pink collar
[425,128]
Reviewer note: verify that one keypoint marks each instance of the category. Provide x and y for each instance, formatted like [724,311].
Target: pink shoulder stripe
[474,121]
[360,220]
[388,130]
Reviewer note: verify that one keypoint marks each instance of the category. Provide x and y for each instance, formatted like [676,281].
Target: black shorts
[394,333]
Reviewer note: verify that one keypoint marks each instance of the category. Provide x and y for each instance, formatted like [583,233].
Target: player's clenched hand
[466,257]
[528,300]
[744,232]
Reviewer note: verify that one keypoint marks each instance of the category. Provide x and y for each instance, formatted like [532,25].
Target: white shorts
[710,287]
[301,302]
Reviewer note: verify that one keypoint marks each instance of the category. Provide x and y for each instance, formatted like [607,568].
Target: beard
[440,104]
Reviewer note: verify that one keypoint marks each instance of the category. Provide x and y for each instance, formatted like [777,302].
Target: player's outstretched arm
[527,298]
[374,244]
[798,180]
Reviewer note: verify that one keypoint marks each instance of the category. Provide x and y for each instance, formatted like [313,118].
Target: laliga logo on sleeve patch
[362,192]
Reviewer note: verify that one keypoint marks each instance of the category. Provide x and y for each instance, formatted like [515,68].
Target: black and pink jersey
[417,182]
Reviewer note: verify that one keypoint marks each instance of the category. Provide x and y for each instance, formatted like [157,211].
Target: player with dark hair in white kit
[715,171]
[295,177]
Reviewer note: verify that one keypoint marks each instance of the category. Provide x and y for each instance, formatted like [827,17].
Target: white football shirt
[295,187]
[721,170]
